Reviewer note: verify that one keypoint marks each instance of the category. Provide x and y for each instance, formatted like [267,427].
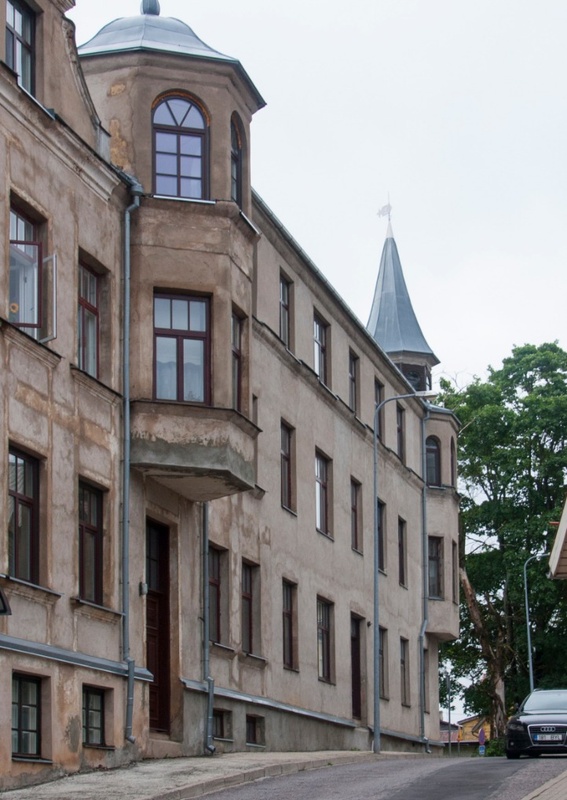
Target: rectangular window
[353,380]
[285,311]
[182,348]
[433,461]
[26,262]
[400,427]
[236,337]
[426,697]
[93,716]
[455,562]
[254,730]
[23,516]
[88,320]
[322,493]
[216,595]
[402,552]
[20,31]
[320,354]
[383,664]
[90,544]
[378,398]
[289,624]
[287,466]
[324,639]
[381,535]
[26,716]
[435,559]
[250,599]
[404,672]
[355,515]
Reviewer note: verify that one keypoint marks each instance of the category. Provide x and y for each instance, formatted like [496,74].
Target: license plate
[548,737]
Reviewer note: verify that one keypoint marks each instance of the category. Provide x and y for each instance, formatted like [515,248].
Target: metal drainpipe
[136,191]
[425,558]
[209,746]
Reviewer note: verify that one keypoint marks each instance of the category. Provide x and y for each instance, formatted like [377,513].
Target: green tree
[512,469]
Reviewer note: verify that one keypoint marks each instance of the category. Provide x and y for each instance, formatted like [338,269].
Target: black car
[539,725]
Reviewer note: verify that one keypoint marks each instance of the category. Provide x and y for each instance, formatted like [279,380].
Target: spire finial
[150,7]
[386,211]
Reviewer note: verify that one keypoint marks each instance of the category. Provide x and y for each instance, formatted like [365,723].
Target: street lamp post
[377,408]
[528,626]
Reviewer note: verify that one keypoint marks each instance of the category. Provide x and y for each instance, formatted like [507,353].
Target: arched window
[433,461]
[180,149]
[235,163]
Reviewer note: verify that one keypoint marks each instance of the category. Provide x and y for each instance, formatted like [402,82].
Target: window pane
[24,539]
[166,186]
[191,145]
[166,142]
[198,315]
[163,116]
[165,164]
[194,119]
[194,370]
[191,187]
[189,167]
[166,368]
[162,312]
[24,283]
[179,109]
[180,315]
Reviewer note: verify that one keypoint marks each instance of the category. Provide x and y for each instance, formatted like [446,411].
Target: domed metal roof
[150,31]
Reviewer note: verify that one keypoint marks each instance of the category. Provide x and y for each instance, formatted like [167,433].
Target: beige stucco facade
[201,474]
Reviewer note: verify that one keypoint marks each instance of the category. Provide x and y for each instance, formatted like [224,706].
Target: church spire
[150,7]
[393,323]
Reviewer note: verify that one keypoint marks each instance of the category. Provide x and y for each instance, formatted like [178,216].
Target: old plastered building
[187,429]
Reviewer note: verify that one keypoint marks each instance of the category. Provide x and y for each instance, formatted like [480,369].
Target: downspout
[209,746]
[136,191]
[425,560]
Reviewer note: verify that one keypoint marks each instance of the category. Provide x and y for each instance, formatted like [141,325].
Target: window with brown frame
[182,348]
[435,568]
[382,538]
[90,544]
[20,44]
[26,716]
[287,466]
[180,149]
[353,380]
[455,571]
[289,624]
[250,600]
[404,672]
[383,662]
[93,716]
[322,493]
[355,515]
[402,552]
[324,639]
[320,349]
[26,273]
[23,516]
[88,320]
[235,163]
[236,341]
[285,311]
[378,398]
[433,461]
[216,593]
[401,433]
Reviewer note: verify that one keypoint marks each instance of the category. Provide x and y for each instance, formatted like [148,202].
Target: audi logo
[547,728]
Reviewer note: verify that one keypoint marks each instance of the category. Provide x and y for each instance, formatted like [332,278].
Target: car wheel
[512,754]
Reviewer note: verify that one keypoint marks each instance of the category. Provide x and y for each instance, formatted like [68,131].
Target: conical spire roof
[392,321]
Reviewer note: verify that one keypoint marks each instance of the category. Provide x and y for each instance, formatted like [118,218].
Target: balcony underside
[202,453]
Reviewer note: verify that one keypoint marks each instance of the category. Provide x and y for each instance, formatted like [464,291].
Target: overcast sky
[455,110]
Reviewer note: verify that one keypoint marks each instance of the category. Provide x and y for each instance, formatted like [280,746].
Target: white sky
[455,109]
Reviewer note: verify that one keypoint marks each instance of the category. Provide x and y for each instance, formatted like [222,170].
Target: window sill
[436,597]
[289,510]
[326,535]
[223,739]
[253,660]
[30,590]
[222,650]
[256,746]
[32,759]
[195,200]
[328,681]
[291,669]
[98,747]
[357,551]
[94,610]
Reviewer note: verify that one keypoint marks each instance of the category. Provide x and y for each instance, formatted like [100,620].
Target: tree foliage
[513,470]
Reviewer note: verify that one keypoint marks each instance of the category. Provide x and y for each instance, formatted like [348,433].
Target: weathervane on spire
[386,211]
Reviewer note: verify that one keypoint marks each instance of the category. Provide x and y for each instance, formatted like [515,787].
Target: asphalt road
[401,779]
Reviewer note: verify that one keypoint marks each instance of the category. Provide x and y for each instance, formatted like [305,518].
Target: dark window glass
[286,466]
[180,148]
[404,672]
[252,730]
[285,311]
[381,535]
[324,639]
[182,348]
[453,463]
[90,544]
[402,553]
[455,568]
[93,716]
[288,612]
[320,364]
[20,28]
[247,609]
[26,716]
[435,566]
[235,164]
[433,461]
[383,662]
[353,363]
[214,594]
[236,330]
[322,493]
[400,423]
[88,322]
[23,516]
[355,514]
[378,398]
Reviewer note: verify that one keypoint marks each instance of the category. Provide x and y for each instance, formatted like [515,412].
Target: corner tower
[393,323]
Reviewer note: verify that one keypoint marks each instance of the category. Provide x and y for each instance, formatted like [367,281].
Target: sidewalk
[186,778]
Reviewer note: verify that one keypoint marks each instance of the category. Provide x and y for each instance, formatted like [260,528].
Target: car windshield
[546,701]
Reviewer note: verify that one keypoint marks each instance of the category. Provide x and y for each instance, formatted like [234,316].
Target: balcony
[443,619]
[200,452]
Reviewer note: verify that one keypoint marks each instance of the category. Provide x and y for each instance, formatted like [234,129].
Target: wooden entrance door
[157,623]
